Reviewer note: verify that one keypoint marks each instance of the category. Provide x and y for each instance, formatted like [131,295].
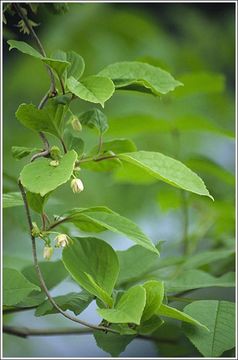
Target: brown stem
[25,332]
[41,279]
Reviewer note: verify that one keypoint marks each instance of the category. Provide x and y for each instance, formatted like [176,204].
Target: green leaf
[95,258]
[95,89]
[73,142]
[102,294]
[94,119]
[15,287]
[12,199]
[149,326]
[107,219]
[49,119]
[168,311]
[219,317]
[117,146]
[77,65]
[33,299]
[168,170]
[36,202]
[41,178]
[154,297]
[195,279]
[129,308]
[76,302]
[19,152]
[141,77]
[53,273]
[113,344]
[206,257]
[58,65]
[135,262]
[24,48]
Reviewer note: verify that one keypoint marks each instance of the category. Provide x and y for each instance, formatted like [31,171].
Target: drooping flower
[48,252]
[62,240]
[77,185]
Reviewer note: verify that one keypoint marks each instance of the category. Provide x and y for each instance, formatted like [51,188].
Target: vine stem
[41,279]
[25,332]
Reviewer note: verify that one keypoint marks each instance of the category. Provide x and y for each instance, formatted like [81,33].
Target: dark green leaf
[94,266]
[15,287]
[94,119]
[19,152]
[113,344]
[76,302]
[219,317]
[36,202]
[53,273]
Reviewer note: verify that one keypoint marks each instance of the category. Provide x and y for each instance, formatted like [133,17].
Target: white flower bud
[48,252]
[62,240]
[76,124]
[77,185]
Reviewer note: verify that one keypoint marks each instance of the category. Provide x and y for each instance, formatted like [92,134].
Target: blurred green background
[195,124]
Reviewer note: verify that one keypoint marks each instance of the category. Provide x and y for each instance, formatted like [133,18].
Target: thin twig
[25,332]
[41,279]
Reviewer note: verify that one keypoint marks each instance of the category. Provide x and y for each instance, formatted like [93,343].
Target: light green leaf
[95,89]
[41,178]
[94,119]
[33,299]
[12,199]
[168,311]
[53,273]
[154,297]
[131,174]
[168,170]
[206,257]
[113,344]
[219,317]
[140,76]
[15,287]
[76,67]
[76,302]
[129,308]
[49,119]
[93,257]
[111,221]
[36,202]
[58,65]
[24,48]
[135,262]
[195,279]
[117,146]
[102,294]
[19,152]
